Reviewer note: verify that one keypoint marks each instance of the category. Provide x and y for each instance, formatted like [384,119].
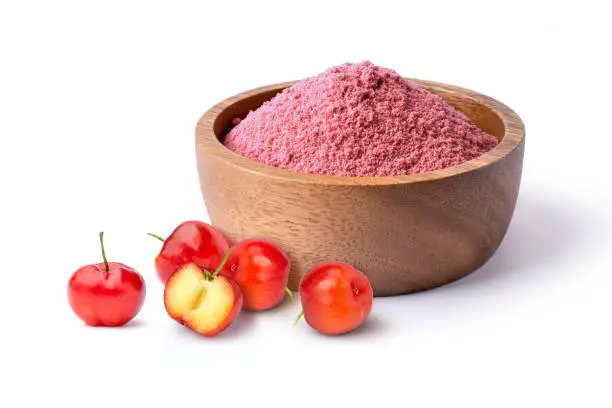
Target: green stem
[156,236]
[299,316]
[103,251]
[288,291]
[222,264]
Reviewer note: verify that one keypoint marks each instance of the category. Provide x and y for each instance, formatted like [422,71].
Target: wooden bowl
[406,233]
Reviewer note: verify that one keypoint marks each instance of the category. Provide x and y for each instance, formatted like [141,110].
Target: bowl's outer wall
[404,237]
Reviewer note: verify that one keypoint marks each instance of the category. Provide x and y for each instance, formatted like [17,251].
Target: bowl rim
[514,135]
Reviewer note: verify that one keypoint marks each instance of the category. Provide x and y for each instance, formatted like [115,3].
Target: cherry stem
[222,264]
[288,291]
[156,236]
[299,316]
[103,251]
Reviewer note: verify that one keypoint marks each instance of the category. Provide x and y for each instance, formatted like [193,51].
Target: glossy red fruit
[107,293]
[336,298]
[261,269]
[190,242]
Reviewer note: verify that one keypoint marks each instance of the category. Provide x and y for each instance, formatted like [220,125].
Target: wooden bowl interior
[483,116]
[241,109]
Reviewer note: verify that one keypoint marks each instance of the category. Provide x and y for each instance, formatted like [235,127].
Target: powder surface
[358,120]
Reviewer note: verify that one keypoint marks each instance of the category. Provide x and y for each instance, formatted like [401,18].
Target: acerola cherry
[204,301]
[261,269]
[336,298]
[106,294]
[190,242]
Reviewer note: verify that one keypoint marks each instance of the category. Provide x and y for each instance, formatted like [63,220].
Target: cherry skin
[107,293]
[336,298]
[190,242]
[261,269]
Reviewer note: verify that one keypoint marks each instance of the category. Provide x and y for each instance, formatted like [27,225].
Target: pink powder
[358,120]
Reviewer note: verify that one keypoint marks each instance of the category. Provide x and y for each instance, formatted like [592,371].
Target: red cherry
[106,294]
[336,298]
[261,269]
[190,242]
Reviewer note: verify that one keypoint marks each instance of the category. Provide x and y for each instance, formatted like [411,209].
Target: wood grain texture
[407,233]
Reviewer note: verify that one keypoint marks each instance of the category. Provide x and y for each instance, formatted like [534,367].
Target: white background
[98,105]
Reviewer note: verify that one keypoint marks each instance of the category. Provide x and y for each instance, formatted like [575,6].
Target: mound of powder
[358,120]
